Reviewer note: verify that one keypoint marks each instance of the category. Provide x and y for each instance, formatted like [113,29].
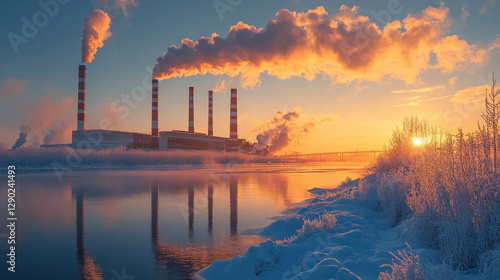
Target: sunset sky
[348,69]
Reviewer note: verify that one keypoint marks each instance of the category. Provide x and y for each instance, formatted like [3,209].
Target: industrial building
[163,140]
[106,139]
[183,140]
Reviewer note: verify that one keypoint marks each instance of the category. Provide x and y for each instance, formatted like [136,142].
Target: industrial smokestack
[233,124]
[81,98]
[210,113]
[191,110]
[154,116]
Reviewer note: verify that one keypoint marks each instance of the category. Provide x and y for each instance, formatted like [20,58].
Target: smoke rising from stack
[22,137]
[289,130]
[222,85]
[44,126]
[95,32]
[344,48]
[116,6]
[58,133]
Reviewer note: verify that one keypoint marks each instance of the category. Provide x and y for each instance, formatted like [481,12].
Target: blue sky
[364,116]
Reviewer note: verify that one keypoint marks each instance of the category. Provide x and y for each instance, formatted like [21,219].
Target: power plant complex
[83,138]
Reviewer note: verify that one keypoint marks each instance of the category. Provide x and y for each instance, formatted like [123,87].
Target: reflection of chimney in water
[210,208]
[154,212]
[80,238]
[191,209]
[88,269]
[233,204]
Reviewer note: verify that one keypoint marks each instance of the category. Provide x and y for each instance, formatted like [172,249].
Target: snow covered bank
[337,236]
[64,157]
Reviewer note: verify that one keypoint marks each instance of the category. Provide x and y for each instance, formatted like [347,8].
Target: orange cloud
[418,100]
[470,95]
[11,86]
[465,13]
[344,48]
[452,80]
[495,45]
[421,90]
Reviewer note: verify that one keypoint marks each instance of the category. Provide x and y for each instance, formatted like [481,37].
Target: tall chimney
[233,127]
[154,116]
[191,110]
[210,113]
[81,98]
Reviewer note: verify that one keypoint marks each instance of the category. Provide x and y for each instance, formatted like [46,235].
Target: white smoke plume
[95,32]
[116,6]
[344,47]
[222,85]
[289,130]
[22,137]
[58,133]
[44,125]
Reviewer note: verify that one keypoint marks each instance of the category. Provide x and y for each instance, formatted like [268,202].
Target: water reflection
[184,259]
[233,202]
[88,269]
[158,224]
[210,194]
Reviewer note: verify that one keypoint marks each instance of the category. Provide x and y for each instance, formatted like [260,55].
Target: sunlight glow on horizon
[418,142]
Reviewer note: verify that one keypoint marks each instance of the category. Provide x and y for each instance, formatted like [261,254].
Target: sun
[418,141]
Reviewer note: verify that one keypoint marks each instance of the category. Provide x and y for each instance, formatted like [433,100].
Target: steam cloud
[95,32]
[58,133]
[43,124]
[344,47]
[286,131]
[222,85]
[116,6]
[22,137]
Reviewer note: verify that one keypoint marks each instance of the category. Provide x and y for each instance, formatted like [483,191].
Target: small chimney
[155,143]
[233,124]
[191,110]
[81,98]
[210,113]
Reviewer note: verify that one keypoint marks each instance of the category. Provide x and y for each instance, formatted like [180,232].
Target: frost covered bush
[119,157]
[325,222]
[448,186]
[401,153]
[392,197]
[489,264]
[406,266]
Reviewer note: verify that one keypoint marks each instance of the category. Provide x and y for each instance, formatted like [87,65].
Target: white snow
[337,236]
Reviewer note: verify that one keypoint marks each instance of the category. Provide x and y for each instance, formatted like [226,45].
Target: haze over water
[153,224]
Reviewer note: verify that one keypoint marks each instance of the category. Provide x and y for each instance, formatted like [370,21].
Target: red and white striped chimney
[155,143]
[81,98]
[191,110]
[210,113]
[233,124]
